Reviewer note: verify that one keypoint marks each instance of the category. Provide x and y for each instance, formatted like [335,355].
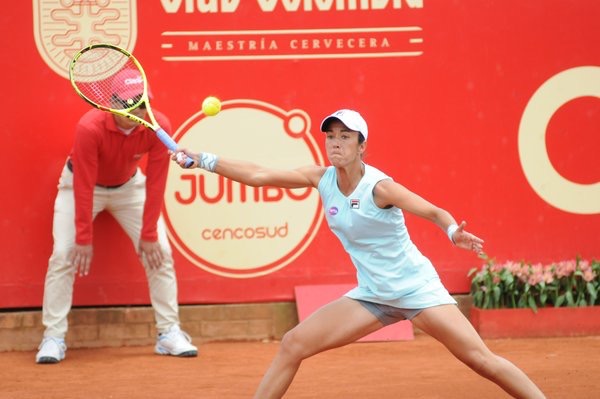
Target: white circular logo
[542,176]
[231,229]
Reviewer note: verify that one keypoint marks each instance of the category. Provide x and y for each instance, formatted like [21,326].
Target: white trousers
[126,205]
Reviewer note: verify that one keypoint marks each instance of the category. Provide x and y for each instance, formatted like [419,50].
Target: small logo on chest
[355,203]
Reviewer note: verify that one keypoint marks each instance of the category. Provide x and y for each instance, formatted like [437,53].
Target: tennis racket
[111,79]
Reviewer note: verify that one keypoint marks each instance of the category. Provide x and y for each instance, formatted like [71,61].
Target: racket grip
[170,144]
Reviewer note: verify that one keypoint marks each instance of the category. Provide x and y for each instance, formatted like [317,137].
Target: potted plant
[521,299]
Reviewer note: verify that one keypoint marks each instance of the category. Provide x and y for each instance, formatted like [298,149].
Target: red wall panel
[445,114]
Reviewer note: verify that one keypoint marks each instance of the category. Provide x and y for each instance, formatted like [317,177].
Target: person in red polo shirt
[102,174]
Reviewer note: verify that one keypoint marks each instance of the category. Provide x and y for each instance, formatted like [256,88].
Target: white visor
[352,119]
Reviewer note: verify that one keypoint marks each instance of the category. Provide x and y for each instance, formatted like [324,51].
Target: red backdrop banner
[487,108]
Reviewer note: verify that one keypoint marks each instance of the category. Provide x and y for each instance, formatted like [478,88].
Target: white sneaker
[176,343]
[51,350]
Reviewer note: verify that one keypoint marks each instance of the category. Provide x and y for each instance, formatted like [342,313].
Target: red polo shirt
[103,154]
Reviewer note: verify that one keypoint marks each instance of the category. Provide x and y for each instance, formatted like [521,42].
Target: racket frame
[126,112]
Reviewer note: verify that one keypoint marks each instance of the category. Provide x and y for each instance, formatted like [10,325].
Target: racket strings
[108,77]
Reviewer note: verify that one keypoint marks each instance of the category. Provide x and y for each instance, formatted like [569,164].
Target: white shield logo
[61,28]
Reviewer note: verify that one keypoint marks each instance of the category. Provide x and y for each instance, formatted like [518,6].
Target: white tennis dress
[390,268]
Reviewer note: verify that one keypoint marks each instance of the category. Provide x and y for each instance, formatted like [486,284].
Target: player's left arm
[388,192]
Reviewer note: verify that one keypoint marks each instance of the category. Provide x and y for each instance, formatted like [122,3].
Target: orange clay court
[422,368]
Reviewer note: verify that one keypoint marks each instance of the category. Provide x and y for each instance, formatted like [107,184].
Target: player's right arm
[255,175]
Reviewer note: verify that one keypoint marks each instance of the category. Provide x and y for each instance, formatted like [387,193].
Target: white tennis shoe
[51,350]
[175,342]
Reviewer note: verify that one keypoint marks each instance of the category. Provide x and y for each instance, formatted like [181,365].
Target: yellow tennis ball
[211,106]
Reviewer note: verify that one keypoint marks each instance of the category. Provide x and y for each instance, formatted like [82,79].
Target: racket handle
[170,144]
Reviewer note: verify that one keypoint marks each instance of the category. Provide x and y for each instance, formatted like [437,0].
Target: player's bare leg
[449,326]
[336,324]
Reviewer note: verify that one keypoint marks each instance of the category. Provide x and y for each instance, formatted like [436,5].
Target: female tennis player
[364,209]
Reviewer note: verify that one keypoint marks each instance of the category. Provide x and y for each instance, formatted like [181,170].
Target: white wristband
[208,161]
[451,230]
